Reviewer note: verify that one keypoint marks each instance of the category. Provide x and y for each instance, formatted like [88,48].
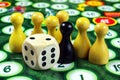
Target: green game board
[12,65]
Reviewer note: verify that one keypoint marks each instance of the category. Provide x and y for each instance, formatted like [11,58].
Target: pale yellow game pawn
[37,19]
[63,16]
[99,53]
[17,37]
[82,43]
[52,22]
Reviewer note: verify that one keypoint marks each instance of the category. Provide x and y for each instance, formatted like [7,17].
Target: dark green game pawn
[66,47]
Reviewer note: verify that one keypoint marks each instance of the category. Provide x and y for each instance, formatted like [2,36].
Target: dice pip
[40,51]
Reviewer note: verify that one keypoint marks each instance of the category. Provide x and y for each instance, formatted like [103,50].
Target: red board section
[5,4]
[112,14]
[108,20]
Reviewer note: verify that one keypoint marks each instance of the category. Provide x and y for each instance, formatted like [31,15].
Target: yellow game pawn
[37,19]
[99,53]
[17,37]
[52,22]
[63,16]
[82,43]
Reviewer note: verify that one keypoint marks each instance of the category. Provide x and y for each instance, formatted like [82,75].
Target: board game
[12,65]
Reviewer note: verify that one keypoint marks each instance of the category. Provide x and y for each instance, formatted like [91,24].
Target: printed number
[109,34]
[118,41]
[90,14]
[81,76]
[61,65]
[7,69]
[10,29]
[117,67]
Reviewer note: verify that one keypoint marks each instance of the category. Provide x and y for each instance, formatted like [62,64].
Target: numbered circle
[7,48]
[112,54]
[2,10]
[76,1]
[63,67]
[91,28]
[3,55]
[29,31]
[90,14]
[23,3]
[114,67]
[59,1]
[117,5]
[112,0]
[28,15]
[110,34]
[116,42]
[59,6]
[41,5]
[118,20]
[10,68]
[9,29]
[81,74]
[73,12]
[106,8]
[6,19]
[19,78]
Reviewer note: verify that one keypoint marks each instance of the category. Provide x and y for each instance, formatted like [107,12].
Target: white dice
[40,51]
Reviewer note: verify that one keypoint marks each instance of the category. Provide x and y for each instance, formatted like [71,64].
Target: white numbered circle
[9,29]
[7,48]
[90,14]
[59,1]
[10,68]
[28,15]
[59,6]
[112,54]
[113,67]
[91,28]
[6,19]
[23,3]
[41,5]
[116,42]
[29,31]
[2,10]
[118,20]
[112,0]
[63,67]
[117,5]
[106,8]
[110,34]
[19,78]
[3,55]
[73,12]
[76,1]
[81,74]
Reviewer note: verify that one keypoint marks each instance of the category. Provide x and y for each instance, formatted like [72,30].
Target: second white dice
[40,51]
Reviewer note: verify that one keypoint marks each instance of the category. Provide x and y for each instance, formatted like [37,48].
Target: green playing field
[12,65]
